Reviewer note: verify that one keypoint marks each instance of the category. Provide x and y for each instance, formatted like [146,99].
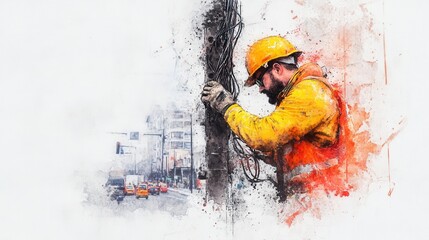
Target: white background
[72,70]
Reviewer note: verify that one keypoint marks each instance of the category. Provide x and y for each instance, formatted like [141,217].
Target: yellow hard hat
[265,50]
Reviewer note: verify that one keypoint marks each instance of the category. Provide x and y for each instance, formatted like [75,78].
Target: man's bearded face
[276,87]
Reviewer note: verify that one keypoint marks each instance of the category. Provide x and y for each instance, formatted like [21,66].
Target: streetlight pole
[120,133]
[192,162]
[162,153]
[135,158]
[174,171]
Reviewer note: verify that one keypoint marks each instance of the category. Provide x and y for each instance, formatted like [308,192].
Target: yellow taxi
[142,191]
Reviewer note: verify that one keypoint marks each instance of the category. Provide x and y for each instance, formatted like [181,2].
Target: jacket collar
[306,70]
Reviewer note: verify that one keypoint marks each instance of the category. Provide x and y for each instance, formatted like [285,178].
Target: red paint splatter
[388,166]
[300,2]
[390,192]
[310,57]
[384,51]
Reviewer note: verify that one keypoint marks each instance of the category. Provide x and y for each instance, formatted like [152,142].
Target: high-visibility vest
[310,167]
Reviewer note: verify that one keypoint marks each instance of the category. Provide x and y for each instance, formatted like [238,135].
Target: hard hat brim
[250,81]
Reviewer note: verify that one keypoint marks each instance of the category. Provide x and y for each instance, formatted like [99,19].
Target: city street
[172,201]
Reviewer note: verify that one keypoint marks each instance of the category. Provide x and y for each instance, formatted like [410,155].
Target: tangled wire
[222,69]
[225,41]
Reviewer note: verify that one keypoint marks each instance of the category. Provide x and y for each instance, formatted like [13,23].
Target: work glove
[216,95]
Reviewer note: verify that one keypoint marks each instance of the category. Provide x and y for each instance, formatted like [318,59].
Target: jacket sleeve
[303,109]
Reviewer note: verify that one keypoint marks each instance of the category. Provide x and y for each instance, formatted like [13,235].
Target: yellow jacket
[306,110]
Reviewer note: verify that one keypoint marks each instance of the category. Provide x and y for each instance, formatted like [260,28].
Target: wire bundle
[222,71]
[249,159]
[226,39]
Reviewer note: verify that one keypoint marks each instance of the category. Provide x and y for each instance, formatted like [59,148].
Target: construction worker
[302,137]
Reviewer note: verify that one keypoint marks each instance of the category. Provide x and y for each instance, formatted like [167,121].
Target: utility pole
[217,132]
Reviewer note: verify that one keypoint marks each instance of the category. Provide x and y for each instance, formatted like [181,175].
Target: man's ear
[277,67]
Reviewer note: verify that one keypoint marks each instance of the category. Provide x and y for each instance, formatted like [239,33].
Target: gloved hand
[216,95]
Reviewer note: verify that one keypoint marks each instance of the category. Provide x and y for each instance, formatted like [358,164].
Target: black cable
[227,38]
[222,68]
[249,157]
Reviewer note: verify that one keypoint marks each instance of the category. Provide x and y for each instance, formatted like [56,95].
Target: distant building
[178,143]
[176,125]
[154,125]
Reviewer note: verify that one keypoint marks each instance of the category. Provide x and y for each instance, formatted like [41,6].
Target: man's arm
[305,107]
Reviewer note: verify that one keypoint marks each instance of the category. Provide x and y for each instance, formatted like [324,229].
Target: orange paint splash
[357,146]
[354,152]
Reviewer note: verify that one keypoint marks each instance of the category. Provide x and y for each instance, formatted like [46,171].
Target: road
[173,202]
